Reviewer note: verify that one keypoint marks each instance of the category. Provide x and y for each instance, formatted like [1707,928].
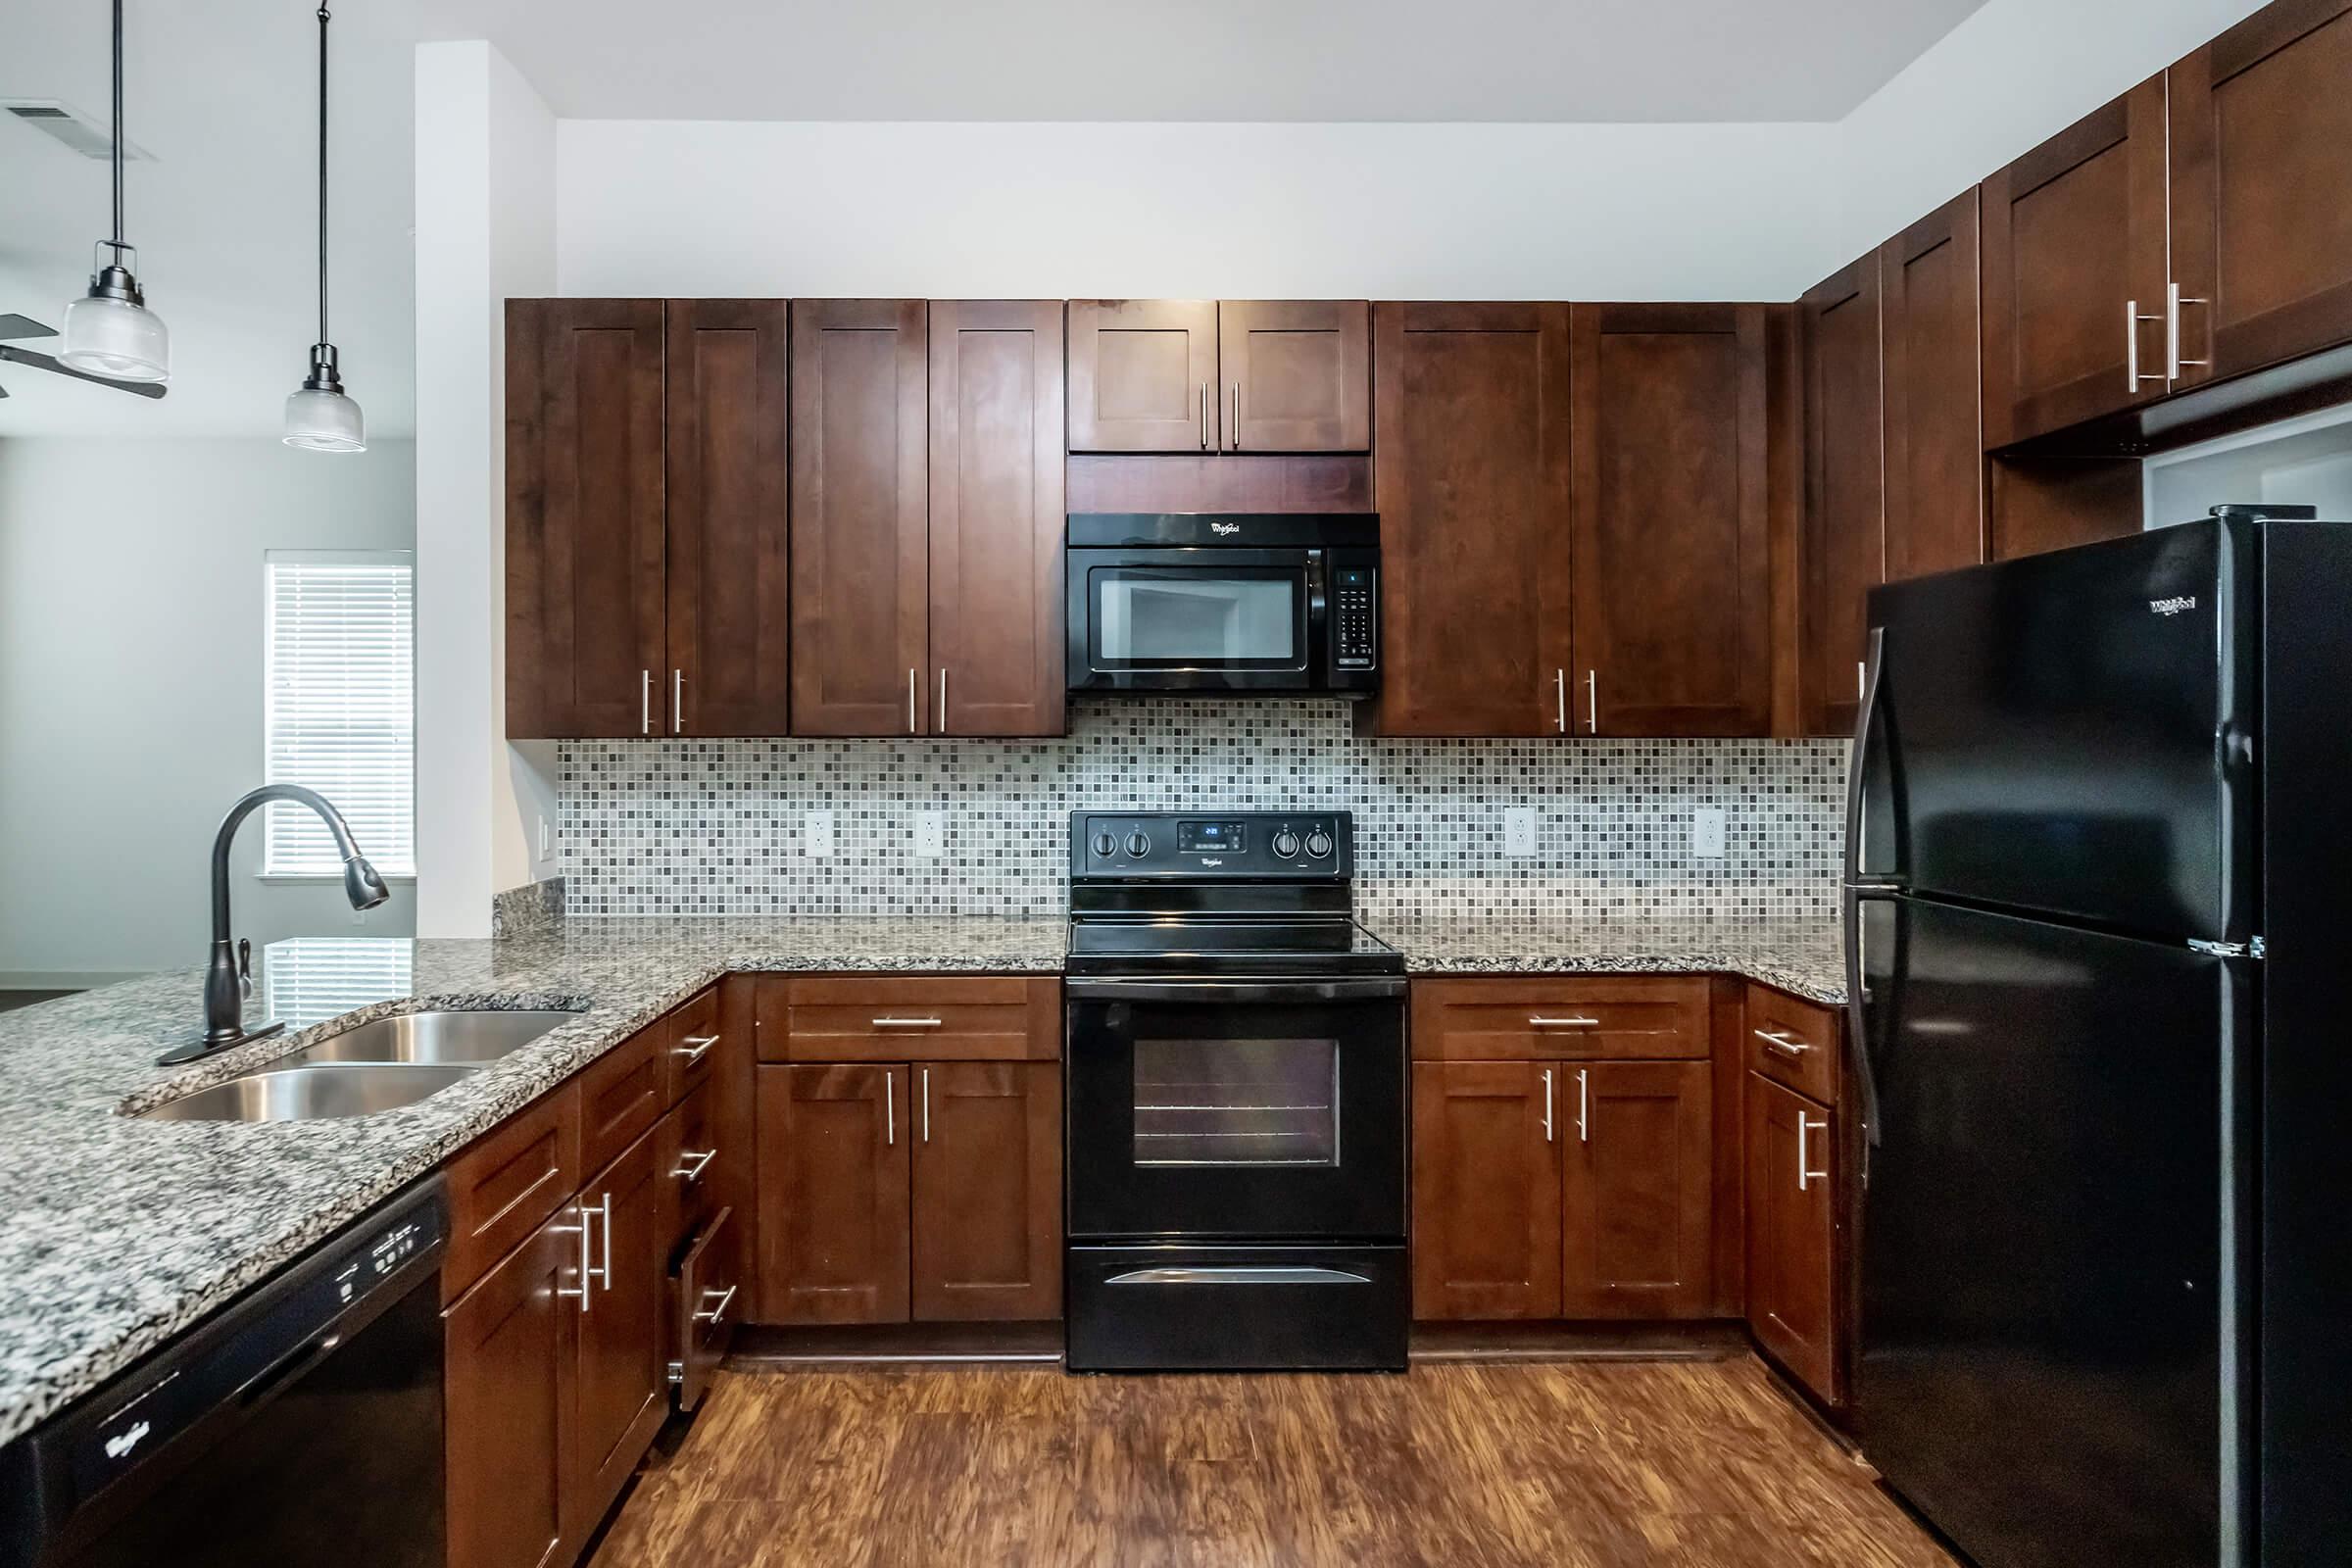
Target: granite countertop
[117,1233]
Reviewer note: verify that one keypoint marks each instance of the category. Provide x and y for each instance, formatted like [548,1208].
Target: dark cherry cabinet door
[729,595]
[987,1205]
[1470,463]
[1935,442]
[1844,535]
[584,517]
[1671,520]
[1143,376]
[513,1350]
[833,1194]
[1638,1212]
[861,596]
[1486,1186]
[1298,374]
[995,497]
[2074,261]
[624,1378]
[2262,191]
[1791,1232]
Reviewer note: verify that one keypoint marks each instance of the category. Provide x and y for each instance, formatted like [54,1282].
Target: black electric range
[1235,1104]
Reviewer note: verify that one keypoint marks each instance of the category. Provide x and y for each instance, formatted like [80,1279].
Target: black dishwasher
[300,1425]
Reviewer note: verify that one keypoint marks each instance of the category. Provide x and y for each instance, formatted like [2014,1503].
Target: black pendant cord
[118,132]
[323,21]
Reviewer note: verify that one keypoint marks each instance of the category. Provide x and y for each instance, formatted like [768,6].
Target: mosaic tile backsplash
[717,827]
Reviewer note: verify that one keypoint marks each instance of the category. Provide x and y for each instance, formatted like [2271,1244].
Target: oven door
[1191,620]
[1229,1108]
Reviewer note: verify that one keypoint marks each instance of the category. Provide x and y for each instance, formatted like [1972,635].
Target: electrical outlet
[547,840]
[930,832]
[816,833]
[1706,832]
[1519,830]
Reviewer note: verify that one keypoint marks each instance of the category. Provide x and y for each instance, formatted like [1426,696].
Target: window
[340,712]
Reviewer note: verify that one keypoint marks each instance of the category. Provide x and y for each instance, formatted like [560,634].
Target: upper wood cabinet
[584,516]
[861,595]
[2074,272]
[728,671]
[1204,375]
[1671,509]
[1471,467]
[996,531]
[1934,464]
[2261,138]
[1843,540]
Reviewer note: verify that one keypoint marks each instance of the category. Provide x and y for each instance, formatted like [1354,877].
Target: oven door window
[1237,1102]
[1240,618]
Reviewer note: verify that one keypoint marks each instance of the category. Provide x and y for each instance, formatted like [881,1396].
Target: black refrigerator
[2099,966]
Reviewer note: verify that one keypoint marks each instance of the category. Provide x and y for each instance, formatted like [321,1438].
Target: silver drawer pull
[1239,1274]
[693,1163]
[714,1315]
[1571,1022]
[694,1047]
[906,1023]
[1784,1043]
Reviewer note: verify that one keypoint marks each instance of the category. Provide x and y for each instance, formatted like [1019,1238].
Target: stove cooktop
[1213,944]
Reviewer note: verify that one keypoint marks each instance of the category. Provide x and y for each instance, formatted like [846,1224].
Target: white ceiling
[1207,60]
[223,94]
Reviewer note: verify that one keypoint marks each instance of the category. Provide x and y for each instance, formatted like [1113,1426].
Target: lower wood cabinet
[1486,1189]
[624,1378]
[1791,1232]
[513,1346]
[987,1191]
[833,1194]
[1638,1222]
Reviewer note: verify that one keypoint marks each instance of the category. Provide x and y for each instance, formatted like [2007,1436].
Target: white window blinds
[341,706]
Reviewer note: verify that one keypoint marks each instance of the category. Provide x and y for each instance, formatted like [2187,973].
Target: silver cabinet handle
[926,1104]
[1776,1040]
[1559,701]
[645,702]
[906,1023]
[1239,1274]
[1592,700]
[890,1109]
[695,1048]
[1806,1176]
[716,1313]
[1233,437]
[587,1268]
[692,1164]
[2132,317]
[1584,1105]
[939,719]
[913,678]
[1572,1021]
[2173,301]
[1203,402]
[1547,1104]
[677,702]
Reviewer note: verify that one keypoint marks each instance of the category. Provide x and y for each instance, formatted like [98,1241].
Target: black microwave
[1224,602]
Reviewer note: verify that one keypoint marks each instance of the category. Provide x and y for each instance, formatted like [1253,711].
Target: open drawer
[706,1302]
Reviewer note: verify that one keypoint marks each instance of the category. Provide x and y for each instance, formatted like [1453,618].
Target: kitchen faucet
[231,971]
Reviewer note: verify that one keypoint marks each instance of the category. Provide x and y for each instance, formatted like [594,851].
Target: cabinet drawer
[695,1165]
[1583,1017]
[693,1044]
[622,1096]
[504,1187]
[1794,1043]
[706,1303]
[894,1019]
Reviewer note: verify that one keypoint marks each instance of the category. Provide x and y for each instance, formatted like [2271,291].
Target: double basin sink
[381,1064]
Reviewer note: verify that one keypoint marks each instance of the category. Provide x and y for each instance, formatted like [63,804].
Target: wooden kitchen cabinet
[585,626]
[997,518]
[1297,375]
[1143,376]
[834,1223]
[1844,535]
[1219,375]
[622,1391]
[2261,200]
[1471,467]
[1671,518]
[1791,1232]
[987,1191]
[1486,1189]
[2074,272]
[1934,446]
[513,1370]
[1638,1215]
[860,594]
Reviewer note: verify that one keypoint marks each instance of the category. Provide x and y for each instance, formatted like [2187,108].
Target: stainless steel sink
[312,1093]
[452,1039]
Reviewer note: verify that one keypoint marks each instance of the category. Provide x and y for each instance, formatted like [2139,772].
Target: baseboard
[771,1347]
[1578,1342]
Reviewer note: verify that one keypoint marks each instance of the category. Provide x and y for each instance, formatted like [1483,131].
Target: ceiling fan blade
[23,327]
[43,361]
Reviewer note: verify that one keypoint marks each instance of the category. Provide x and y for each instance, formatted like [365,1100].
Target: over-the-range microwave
[1240,603]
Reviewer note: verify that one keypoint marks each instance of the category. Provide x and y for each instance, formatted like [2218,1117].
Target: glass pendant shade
[319,421]
[111,332]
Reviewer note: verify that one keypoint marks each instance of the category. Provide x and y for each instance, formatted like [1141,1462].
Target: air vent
[69,124]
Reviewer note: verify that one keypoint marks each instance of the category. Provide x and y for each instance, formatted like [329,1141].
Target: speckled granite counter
[1805,957]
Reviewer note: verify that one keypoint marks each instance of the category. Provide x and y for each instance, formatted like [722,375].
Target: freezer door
[2062,734]
[2044,1296]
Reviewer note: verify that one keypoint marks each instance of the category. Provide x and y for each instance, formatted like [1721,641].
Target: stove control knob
[1138,846]
[1318,843]
[1286,845]
[1105,845]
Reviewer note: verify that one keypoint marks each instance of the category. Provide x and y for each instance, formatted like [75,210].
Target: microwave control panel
[1356,618]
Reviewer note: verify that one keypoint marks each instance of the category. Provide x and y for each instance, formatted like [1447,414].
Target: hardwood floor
[1581,1464]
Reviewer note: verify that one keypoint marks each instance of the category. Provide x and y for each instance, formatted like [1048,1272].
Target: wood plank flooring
[1576,1465]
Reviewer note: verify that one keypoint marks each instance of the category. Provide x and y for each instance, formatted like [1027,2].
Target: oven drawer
[1237,1308]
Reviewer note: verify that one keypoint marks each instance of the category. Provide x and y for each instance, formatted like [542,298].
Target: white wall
[131,687]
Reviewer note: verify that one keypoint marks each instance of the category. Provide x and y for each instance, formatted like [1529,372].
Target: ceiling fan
[17,326]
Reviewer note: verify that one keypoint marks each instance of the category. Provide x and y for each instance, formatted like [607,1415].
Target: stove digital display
[1210,838]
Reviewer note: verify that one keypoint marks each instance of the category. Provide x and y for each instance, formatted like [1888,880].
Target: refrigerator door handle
[1858,1015]
[1865,719]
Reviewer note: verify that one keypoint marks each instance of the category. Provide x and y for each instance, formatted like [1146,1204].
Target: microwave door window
[1184,622]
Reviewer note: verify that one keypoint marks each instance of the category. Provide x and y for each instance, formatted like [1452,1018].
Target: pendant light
[110,331]
[319,416]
